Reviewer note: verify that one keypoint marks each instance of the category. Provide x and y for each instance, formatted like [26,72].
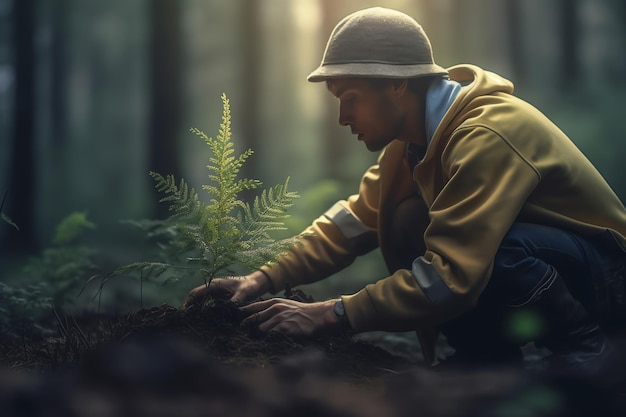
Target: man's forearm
[262,281]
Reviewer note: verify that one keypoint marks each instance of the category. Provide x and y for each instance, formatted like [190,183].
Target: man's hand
[238,289]
[293,318]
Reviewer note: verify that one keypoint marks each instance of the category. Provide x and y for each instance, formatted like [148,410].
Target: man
[483,210]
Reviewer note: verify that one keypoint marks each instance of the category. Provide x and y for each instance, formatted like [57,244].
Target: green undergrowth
[53,279]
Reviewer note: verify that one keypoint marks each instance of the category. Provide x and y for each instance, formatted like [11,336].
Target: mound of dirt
[201,361]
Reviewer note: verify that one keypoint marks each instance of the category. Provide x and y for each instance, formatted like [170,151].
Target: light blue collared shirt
[439,97]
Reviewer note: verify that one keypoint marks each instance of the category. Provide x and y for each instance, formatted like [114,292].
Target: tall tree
[516,43]
[20,203]
[58,27]
[166,88]
[569,41]
[335,149]
[252,78]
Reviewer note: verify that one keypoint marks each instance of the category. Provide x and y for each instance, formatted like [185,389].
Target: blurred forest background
[94,94]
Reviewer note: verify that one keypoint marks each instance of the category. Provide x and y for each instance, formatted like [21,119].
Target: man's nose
[344,120]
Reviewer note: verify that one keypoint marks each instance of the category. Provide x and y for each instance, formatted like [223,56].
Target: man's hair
[417,85]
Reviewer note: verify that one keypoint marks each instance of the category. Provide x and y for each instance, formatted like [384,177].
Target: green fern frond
[224,166]
[3,216]
[267,213]
[183,200]
[267,253]
[156,269]
[8,220]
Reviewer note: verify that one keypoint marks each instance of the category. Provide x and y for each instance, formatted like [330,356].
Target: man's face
[371,110]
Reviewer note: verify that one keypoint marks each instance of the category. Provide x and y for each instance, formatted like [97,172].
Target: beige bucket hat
[377,43]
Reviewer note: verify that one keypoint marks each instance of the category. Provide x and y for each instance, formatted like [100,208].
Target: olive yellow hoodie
[492,160]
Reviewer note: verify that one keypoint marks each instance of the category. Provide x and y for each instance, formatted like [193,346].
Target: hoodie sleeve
[333,241]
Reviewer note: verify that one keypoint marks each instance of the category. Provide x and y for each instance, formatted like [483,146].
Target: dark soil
[164,361]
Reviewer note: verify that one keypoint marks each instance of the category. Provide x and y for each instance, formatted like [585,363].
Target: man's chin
[374,147]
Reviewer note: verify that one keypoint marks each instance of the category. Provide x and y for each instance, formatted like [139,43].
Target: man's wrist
[340,312]
[263,282]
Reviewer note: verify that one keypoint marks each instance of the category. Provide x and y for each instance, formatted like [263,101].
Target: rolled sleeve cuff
[360,311]
[272,275]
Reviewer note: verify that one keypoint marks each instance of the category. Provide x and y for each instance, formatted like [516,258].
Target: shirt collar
[439,97]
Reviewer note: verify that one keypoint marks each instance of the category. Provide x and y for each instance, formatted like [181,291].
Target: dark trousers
[593,270]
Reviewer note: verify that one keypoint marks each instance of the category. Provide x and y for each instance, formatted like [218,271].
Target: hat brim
[374,70]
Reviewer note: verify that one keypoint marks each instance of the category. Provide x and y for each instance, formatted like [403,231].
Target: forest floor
[163,361]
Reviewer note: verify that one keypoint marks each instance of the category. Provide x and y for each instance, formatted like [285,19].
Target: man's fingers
[192,298]
[258,306]
[218,287]
[267,320]
[265,314]
[253,319]
[275,315]
[239,296]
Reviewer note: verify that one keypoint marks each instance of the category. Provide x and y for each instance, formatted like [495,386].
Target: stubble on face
[368,109]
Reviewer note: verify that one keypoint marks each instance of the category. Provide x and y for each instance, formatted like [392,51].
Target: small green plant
[215,238]
[53,279]
[3,216]
[63,267]
[21,311]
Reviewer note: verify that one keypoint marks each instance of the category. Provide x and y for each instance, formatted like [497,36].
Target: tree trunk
[20,201]
[516,43]
[58,83]
[166,82]
[334,147]
[570,65]
[252,77]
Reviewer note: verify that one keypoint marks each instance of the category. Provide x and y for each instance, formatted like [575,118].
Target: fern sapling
[226,233]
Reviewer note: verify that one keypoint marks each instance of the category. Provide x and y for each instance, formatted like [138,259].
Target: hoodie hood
[469,86]
[479,82]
